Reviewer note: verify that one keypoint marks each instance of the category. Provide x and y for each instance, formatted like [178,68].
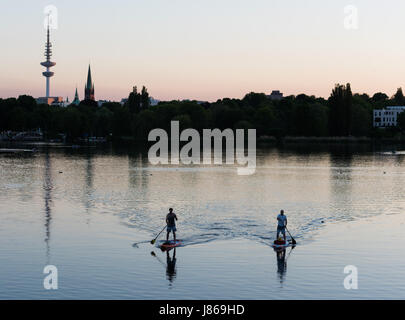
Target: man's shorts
[280,229]
[171,229]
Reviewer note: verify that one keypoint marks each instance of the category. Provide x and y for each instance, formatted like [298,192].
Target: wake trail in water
[203,222]
[195,231]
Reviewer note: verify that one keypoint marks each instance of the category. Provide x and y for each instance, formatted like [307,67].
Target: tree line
[342,114]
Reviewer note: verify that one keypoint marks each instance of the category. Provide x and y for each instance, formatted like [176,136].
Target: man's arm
[285,221]
[175,216]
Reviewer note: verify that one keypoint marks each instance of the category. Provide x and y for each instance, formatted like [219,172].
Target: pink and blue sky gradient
[203,49]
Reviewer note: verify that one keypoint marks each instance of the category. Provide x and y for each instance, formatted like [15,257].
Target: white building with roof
[387,117]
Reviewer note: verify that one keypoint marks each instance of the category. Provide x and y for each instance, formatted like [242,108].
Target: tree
[143,124]
[255,99]
[379,97]
[399,97]
[121,122]
[134,101]
[311,120]
[103,122]
[264,120]
[348,105]
[362,121]
[27,102]
[401,121]
[340,115]
[184,121]
[145,101]
[73,125]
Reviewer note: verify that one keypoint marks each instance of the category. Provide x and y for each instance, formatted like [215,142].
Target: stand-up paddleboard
[171,244]
[281,244]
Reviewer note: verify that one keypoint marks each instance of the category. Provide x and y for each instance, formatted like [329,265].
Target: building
[387,117]
[48,74]
[89,87]
[153,101]
[275,95]
[101,102]
[76,100]
[50,100]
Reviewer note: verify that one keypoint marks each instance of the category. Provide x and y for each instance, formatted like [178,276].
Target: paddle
[293,240]
[154,240]
[161,262]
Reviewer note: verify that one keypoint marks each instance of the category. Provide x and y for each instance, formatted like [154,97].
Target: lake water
[92,212]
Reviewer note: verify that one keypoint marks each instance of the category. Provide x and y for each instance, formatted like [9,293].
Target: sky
[204,49]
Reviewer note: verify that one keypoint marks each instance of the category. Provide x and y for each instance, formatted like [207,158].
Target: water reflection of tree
[138,176]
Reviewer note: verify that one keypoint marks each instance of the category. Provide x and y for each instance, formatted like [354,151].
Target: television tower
[48,63]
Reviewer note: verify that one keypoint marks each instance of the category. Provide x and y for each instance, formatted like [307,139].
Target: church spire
[76,101]
[89,83]
[89,88]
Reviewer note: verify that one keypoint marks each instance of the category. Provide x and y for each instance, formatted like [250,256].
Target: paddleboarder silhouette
[171,224]
[281,264]
[171,265]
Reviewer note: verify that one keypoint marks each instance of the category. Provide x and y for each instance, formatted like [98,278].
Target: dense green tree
[399,97]
[103,124]
[224,116]
[285,119]
[143,124]
[184,121]
[311,120]
[340,115]
[264,120]
[243,124]
[121,122]
[145,100]
[72,123]
[196,114]
[134,101]
[255,99]
[17,119]
[27,102]
[348,105]
[362,121]
[379,97]
[401,121]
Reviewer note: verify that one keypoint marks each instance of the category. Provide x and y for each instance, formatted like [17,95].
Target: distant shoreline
[345,140]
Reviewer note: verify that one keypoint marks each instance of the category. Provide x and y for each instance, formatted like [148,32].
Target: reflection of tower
[48,199]
[89,88]
[48,63]
[88,192]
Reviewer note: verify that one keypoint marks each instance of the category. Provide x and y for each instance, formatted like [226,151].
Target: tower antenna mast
[48,63]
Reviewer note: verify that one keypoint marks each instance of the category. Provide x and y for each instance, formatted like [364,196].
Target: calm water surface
[92,212]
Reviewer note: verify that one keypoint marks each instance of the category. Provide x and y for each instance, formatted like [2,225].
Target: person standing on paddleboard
[171,224]
[282,224]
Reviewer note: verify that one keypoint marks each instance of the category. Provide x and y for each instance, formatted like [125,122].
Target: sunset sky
[204,50]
